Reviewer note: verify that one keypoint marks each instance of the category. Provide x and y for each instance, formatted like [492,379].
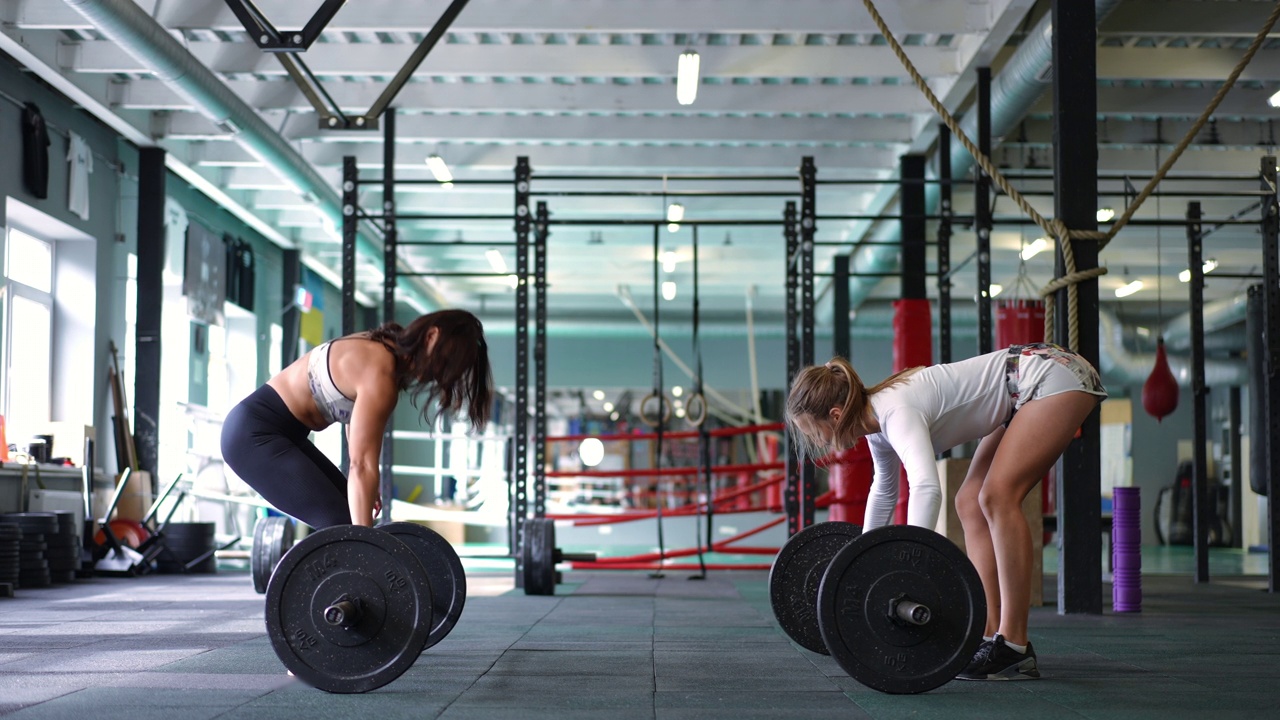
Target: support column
[540,363]
[350,215]
[291,318]
[944,248]
[982,221]
[389,256]
[791,490]
[913,328]
[841,345]
[1271,364]
[151,247]
[520,420]
[1201,503]
[808,225]
[1075,103]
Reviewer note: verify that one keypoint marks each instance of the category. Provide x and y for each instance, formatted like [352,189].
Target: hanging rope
[1056,228]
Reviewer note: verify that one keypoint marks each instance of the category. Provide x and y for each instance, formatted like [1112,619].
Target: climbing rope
[1056,228]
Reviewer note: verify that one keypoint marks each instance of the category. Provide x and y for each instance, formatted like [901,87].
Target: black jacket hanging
[35,152]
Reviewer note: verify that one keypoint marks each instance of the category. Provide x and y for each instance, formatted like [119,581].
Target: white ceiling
[588,86]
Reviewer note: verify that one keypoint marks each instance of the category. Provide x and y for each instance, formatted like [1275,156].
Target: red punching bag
[1160,391]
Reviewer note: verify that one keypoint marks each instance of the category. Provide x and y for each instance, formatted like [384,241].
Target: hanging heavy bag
[1160,391]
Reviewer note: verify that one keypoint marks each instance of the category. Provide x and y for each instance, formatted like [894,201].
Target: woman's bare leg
[1037,436]
[977,534]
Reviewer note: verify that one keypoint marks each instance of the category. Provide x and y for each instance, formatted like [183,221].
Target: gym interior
[661,211]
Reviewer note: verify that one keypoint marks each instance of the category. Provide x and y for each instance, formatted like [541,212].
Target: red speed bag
[1160,391]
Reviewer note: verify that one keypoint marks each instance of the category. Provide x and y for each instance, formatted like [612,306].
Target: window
[28,332]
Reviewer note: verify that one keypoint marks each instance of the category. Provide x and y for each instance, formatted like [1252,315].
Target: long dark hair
[455,375]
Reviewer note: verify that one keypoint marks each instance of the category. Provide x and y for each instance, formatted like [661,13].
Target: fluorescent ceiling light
[675,212]
[673,227]
[676,391]
[1105,214]
[1274,101]
[1035,248]
[1208,267]
[512,281]
[687,77]
[496,261]
[608,407]
[440,170]
[668,290]
[996,289]
[679,412]
[669,261]
[1129,289]
[599,394]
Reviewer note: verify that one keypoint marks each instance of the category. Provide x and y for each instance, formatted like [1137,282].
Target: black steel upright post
[1271,363]
[944,247]
[1075,103]
[389,257]
[982,221]
[1201,503]
[808,226]
[520,421]
[1235,448]
[791,490]
[147,342]
[291,318]
[540,363]
[912,223]
[350,211]
[841,345]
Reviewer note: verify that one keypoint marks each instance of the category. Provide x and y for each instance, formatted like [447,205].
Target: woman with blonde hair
[1024,403]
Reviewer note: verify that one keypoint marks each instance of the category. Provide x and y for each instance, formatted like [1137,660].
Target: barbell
[900,608]
[350,608]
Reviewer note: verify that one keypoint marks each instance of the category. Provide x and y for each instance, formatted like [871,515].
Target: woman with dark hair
[1024,404]
[441,358]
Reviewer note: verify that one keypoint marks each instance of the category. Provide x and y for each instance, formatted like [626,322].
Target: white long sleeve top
[937,408]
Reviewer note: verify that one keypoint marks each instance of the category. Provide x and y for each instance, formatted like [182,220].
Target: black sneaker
[997,661]
[979,658]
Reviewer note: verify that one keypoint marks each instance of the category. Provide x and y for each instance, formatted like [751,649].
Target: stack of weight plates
[63,552]
[33,563]
[10,536]
[186,542]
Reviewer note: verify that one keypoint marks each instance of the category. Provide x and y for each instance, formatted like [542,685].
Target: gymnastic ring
[665,409]
[696,419]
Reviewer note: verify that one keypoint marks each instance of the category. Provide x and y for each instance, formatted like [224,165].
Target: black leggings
[269,449]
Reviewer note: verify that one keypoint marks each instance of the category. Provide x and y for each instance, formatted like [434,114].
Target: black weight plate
[272,537]
[444,567]
[538,555]
[886,565]
[258,562]
[358,562]
[796,574]
[281,540]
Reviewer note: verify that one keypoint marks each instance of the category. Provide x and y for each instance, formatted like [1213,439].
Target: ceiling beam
[548,61]
[1156,18]
[1171,63]
[596,16]
[149,94]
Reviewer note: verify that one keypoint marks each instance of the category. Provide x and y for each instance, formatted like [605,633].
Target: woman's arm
[908,432]
[376,396]
[884,484]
